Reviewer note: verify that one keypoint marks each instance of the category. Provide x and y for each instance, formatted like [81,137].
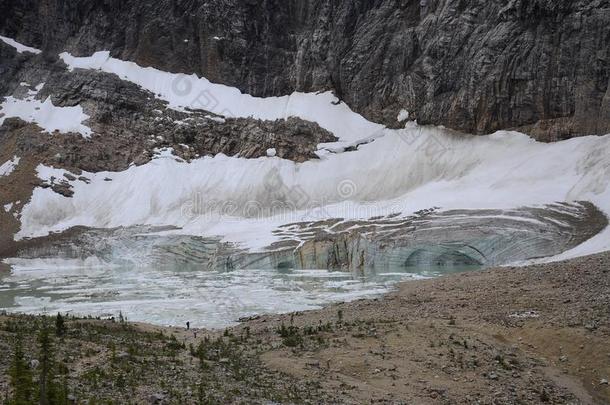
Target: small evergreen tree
[49,391]
[20,377]
[46,355]
[60,326]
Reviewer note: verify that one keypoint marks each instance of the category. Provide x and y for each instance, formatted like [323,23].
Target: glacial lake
[173,296]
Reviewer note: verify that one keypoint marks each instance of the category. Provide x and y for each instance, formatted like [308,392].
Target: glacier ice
[394,171]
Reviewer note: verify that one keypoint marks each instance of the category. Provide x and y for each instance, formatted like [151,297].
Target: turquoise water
[172,296]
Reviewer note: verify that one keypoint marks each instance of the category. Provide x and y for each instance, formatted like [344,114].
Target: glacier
[464,200]
[394,171]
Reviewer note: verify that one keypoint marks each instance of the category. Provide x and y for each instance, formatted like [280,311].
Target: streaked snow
[19,47]
[9,166]
[504,170]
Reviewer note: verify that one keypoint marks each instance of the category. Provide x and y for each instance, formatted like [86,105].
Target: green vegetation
[60,326]
[20,376]
[295,337]
[47,388]
[290,335]
[62,359]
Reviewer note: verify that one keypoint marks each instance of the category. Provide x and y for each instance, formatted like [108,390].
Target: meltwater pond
[172,296]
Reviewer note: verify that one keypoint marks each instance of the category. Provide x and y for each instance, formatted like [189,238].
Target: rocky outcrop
[542,66]
[129,123]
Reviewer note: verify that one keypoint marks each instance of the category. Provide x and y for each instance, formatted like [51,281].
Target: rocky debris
[60,186]
[122,355]
[591,326]
[157,398]
[123,110]
[63,187]
[477,66]
[477,358]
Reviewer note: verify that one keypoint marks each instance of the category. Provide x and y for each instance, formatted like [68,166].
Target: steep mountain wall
[542,66]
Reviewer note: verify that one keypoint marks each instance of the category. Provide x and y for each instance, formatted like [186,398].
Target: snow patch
[192,92]
[49,117]
[8,167]
[271,152]
[19,47]
[403,115]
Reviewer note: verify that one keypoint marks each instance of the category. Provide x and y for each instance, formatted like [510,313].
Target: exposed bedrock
[451,239]
[474,65]
[129,123]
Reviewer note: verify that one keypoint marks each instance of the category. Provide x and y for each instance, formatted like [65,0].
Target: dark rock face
[542,66]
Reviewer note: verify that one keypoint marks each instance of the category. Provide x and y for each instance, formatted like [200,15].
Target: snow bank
[403,115]
[189,91]
[237,198]
[45,114]
[19,47]
[8,167]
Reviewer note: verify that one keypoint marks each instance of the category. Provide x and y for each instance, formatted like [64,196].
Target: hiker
[188,325]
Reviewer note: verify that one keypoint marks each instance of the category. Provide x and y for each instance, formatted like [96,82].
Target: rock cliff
[542,66]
